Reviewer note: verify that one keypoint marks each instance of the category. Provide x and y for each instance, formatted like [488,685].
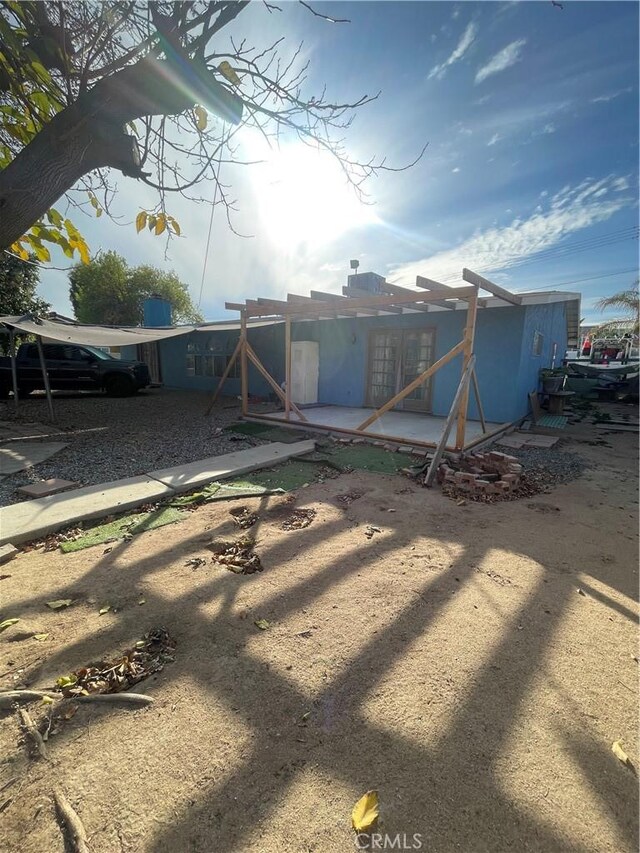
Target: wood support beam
[357,293]
[323,296]
[463,388]
[432,284]
[476,392]
[244,367]
[319,305]
[224,377]
[287,368]
[469,336]
[495,289]
[415,383]
[265,373]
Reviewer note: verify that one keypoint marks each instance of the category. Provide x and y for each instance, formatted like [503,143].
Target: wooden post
[14,369]
[45,377]
[458,348]
[265,373]
[287,367]
[224,377]
[469,334]
[244,367]
[476,392]
[463,388]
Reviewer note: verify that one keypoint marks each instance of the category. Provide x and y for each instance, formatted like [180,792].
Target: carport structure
[75,333]
[430,295]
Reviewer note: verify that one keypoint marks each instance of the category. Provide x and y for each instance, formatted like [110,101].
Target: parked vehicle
[73,368]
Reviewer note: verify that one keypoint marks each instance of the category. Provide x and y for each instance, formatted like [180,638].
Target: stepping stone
[46,487]
[541,441]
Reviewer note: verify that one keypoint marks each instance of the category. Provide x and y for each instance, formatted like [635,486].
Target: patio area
[412,427]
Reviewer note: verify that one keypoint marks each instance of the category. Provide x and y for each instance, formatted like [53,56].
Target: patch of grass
[365,457]
[128,524]
[247,428]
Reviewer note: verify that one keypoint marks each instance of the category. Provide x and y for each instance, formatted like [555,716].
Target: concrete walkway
[30,520]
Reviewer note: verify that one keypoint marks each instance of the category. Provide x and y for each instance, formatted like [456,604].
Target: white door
[305,369]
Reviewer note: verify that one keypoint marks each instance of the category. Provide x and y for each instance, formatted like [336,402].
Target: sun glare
[304,197]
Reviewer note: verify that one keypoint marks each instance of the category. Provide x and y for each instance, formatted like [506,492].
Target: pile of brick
[490,473]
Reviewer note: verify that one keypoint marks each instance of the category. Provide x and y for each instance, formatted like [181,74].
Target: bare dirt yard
[473,662]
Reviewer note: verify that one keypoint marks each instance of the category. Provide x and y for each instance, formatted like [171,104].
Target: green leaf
[262,624]
[54,217]
[7,624]
[66,681]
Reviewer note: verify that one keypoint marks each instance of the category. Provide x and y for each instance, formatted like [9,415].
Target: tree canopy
[108,291]
[18,284]
[627,303]
[155,90]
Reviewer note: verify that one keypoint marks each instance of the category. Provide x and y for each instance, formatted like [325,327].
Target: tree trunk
[86,135]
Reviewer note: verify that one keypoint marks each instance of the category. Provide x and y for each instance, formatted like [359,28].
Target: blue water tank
[156,312]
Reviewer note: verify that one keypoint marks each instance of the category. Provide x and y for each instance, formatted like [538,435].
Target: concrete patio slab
[46,487]
[24,454]
[29,520]
[15,431]
[182,478]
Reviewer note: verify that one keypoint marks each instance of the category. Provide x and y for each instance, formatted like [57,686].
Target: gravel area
[547,465]
[110,438]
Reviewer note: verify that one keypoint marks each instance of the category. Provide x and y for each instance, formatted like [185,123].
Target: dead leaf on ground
[622,756]
[195,562]
[104,610]
[40,636]
[238,556]
[59,603]
[370,530]
[262,624]
[7,623]
[365,814]
[243,517]
[299,519]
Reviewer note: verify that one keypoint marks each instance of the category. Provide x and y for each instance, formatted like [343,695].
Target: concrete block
[29,520]
[7,552]
[405,448]
[183,478]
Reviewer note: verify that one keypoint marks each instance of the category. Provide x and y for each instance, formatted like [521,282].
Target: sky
[530,175]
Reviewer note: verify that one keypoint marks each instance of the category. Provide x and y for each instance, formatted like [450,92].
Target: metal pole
[45,377]
[14,369]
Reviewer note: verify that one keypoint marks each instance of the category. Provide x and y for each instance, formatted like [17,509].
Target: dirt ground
[474,663]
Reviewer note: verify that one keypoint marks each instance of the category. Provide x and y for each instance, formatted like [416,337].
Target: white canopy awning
[99,336]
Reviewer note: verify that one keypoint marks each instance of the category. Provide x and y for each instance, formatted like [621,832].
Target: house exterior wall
[549,321]
[507,369]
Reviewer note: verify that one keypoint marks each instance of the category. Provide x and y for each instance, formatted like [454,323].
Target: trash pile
[243,517]
[148,656]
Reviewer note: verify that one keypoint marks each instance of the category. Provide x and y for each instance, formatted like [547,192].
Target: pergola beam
[356,293]
[432,284]
[495,289]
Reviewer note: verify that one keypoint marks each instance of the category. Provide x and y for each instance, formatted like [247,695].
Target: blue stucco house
[362,361]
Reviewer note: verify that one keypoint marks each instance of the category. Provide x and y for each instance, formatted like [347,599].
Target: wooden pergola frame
[355,303]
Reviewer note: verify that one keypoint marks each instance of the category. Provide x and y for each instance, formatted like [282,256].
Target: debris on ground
[365,814]
[370,530]
[148,656]
[33,733]
[59,603]
[621,755]
[299,519]
[195,562]
[71,822]
[348,498]
[262,624]
[238,556]
[243,517]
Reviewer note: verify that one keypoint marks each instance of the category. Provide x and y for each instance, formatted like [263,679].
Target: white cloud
[569,210]
[549,128]
[603,99]
[502,60]
[494,139]
[457,169]
[466,40]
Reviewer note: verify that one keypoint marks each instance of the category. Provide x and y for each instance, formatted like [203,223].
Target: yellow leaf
[227,71]
[19,250]
[364,816]
[47,700]
[42,253]
[161,224]
[141,220]
[201,118]
[40,636]
[621,755]
[175,226]
[7,624]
